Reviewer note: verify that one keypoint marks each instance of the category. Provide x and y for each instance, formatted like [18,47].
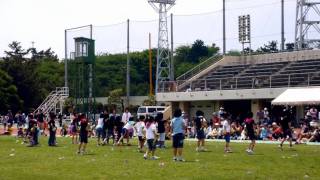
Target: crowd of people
[266,128]
[153,130]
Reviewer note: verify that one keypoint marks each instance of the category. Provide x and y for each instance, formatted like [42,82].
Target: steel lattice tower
[164,73]
[307,19]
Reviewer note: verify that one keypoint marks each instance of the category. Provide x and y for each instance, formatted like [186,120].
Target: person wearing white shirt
[99,128]
[126,116]
[226,130]
[139,128]
[125,131]
[151,133]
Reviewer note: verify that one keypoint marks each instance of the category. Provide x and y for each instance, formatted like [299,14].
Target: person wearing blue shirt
[177,129]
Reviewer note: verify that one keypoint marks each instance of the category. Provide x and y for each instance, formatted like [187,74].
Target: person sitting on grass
[178,128]
[52,130]
[8,131]
[201,124]
[84,129]
[151,136]
[250,132]
[125,131]
[315,135]
[139,128]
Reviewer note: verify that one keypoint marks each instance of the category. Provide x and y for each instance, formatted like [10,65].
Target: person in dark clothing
[285,123]
[104,127]
[118,125]
[161,129]
[109,125]
[52,130]
[250,132]
[32,131]
[40,119]
[201,124]
[60,119]
[84,128]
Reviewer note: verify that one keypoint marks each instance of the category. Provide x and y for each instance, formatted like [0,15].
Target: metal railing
[246,82]
[60,94]
[197,69]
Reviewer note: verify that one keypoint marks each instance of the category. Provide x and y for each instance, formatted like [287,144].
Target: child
[201,124]
[74,128]
[52,130]
[177,128]
[84,129]
[226,131]
[125,131]
[99,129]
[250,132]
[161,129]
[286,129]
[32,131]
[139,127]
[151,135]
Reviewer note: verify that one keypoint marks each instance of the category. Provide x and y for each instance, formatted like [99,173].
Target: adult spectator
[260,116]
[314,113]
[126,116]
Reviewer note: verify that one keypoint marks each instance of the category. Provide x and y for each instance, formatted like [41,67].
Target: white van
[150,110]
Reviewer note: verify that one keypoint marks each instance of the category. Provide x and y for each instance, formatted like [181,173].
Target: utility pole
[282,25]
[128,61]
[172,60]
[150,67]
[224,27]
[65,59]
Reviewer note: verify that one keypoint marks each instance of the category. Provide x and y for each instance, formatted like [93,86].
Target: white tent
[301,96]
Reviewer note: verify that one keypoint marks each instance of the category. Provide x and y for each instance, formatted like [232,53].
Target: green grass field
[107,162]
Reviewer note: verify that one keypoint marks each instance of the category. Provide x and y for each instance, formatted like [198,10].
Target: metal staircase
[56,97]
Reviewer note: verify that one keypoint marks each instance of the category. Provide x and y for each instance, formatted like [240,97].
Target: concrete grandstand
[243,83]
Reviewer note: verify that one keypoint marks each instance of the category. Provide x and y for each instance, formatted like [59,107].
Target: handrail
[263,81]
[198,68]
[52,99]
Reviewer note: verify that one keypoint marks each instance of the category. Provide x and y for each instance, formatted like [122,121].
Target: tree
[151,101]
[271,47]
[115,98]
[198,50]
[33,77]
[9,98]
[290,46]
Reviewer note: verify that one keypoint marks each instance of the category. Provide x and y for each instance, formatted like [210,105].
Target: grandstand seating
[263,75]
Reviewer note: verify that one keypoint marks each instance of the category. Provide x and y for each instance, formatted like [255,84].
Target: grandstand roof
[301,96]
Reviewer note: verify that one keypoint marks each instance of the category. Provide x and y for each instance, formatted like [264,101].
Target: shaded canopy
[301,96]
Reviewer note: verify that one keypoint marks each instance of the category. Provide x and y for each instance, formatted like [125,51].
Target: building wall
[134,100]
